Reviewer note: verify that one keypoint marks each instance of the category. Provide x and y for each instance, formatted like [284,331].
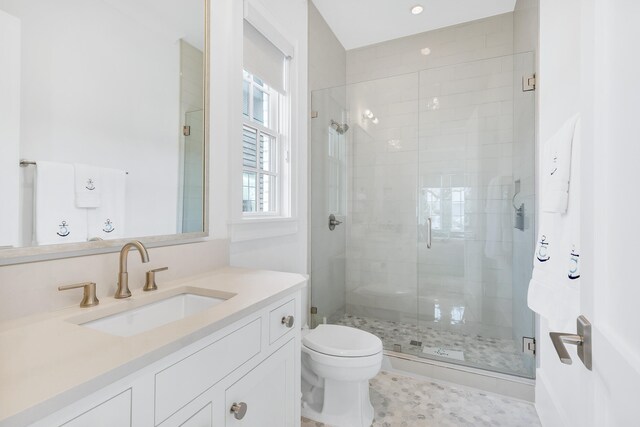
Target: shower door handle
[428,233]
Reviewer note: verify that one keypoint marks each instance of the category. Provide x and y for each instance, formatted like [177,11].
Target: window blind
[263,59]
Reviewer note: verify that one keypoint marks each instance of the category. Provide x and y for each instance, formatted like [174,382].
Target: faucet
[123,276]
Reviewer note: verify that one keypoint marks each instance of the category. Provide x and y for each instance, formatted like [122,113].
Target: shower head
[340,128]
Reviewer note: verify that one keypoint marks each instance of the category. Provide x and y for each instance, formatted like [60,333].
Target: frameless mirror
[103,123]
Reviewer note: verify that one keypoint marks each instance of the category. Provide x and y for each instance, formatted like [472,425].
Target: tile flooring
[495,354]
[401,401]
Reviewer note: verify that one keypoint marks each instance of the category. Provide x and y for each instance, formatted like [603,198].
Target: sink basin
[150,316]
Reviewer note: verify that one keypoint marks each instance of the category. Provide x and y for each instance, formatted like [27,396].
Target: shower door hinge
[314,114]
[186,130]
[529,345]
[314,310]
[529,83]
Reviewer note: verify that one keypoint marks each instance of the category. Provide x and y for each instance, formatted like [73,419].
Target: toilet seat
[342,341]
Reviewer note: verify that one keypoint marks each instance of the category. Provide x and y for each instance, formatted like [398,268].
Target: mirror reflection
[102,128]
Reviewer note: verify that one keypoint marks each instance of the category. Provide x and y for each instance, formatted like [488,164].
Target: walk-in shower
[434,187]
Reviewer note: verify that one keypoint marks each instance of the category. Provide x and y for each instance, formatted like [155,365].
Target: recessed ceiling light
[425,51]
[417,9]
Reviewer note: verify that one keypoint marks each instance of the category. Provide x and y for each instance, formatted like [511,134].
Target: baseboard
[506,385]
[549,413]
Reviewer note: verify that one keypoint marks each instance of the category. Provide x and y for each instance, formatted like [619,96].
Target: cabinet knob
[288,321]
[239,410]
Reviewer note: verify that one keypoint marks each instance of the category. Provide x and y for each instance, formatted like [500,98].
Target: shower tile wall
[463,115]
[465,186]
[485,38]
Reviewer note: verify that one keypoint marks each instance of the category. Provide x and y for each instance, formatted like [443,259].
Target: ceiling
[359,23]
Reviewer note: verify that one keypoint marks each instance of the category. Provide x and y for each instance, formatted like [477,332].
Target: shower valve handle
[333,222]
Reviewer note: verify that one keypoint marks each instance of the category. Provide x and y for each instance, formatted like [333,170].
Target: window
[445,207]
[261,147]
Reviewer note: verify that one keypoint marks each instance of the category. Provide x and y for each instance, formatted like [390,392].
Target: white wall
[327,76]
[559,98]
[9,127]
[279,244]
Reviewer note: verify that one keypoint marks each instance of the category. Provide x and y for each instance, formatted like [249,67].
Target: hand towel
[554,290]
[108,220]
[57,219]
[87,186]
[556,168]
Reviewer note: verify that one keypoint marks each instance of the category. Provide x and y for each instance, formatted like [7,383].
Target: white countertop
[48,361]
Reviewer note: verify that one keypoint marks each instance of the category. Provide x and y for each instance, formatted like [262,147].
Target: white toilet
[337,364]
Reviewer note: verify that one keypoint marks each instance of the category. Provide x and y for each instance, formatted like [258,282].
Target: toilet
[337,364]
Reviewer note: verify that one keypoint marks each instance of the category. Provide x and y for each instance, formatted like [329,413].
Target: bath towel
[56,218]
[556,168]
[108,220]
[554,290]
[87,186]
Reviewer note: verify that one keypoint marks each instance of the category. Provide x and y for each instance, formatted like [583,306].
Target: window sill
[255,228]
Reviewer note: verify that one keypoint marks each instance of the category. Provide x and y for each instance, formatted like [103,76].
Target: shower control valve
[333,222]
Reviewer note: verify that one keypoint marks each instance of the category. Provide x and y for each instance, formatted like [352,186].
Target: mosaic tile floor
[495,354]
[400,401]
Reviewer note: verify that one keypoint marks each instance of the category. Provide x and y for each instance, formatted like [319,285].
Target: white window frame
[278,128]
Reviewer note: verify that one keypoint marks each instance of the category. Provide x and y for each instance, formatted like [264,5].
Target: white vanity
[234,361]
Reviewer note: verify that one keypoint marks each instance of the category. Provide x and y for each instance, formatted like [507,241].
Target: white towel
[87,186]
[556,168]
[108,220]
[57,219]
[554,290]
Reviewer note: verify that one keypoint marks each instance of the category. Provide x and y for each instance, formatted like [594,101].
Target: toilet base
[338,403]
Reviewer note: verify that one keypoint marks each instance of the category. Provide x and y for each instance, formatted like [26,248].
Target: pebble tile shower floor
[495,354]
[401,401]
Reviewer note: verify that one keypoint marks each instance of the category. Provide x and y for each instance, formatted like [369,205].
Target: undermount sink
[153,315]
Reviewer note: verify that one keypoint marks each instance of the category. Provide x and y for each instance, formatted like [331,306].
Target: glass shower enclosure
[432,178]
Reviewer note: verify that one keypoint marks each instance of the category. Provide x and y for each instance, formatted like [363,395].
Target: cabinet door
[115,412]
[202,418]
[265,397]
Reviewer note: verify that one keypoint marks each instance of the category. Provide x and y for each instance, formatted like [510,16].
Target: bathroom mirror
[103,125]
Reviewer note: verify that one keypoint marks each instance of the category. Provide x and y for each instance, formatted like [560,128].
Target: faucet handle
[89,298]
[150,284]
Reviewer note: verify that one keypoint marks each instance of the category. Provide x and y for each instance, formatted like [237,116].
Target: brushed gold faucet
[123,276]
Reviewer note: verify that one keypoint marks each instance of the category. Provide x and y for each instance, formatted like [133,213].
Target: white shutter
[263,59]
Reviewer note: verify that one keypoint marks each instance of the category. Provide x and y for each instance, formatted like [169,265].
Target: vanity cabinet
[245,374]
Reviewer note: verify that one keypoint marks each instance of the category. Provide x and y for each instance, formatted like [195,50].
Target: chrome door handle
[333,222]
[239,410]
[428,233]
[582,339]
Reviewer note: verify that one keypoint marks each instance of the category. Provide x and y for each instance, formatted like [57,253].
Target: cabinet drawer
[182,382]
[277,326]
[115,412]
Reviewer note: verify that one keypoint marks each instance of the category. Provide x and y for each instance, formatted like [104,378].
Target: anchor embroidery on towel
[90,185]
[574,264]
[63,229]
[543,250]
[555,160]
[108,226]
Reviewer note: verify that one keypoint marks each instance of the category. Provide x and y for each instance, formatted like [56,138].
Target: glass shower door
[476,168]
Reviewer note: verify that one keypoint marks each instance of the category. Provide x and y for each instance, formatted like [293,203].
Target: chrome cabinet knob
[239,410]
[288,321]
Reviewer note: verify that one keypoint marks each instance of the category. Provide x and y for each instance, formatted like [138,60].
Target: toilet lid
[338,340]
